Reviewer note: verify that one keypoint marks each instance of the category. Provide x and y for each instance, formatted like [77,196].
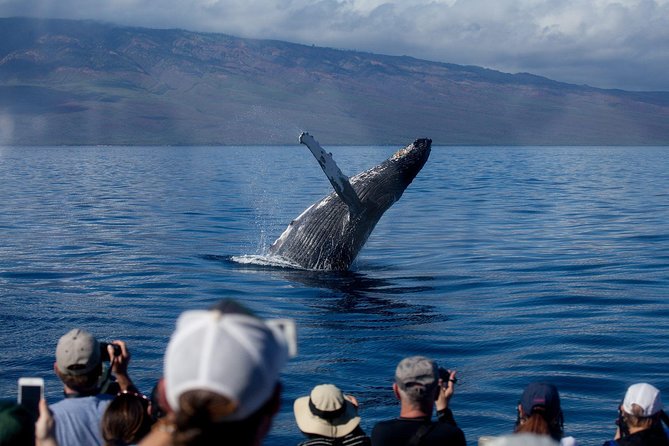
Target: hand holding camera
[447,376]
[119,358]
[118,355]
[105,354]
[447,382]
[622,427]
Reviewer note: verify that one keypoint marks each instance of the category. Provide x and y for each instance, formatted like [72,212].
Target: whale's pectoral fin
[338,180]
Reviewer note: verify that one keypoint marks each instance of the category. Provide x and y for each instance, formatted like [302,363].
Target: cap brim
[335,428]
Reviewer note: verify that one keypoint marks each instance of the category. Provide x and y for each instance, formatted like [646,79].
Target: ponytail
[536,423]
[201,420]
[197,419]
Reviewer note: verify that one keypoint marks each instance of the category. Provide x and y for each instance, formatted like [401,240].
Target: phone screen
[29,398]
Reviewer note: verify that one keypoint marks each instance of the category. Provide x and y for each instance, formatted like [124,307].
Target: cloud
[604,43]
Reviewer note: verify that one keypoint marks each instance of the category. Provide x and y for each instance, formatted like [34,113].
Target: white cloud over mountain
[604,43]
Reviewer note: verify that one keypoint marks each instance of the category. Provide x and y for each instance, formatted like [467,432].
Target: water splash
[265,260]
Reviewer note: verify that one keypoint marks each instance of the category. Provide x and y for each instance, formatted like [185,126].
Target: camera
[622,424]
[445,376]
[104,354]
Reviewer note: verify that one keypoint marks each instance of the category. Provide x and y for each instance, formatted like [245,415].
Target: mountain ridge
[87,82]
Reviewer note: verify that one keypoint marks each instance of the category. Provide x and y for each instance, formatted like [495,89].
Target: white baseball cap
[644,395]
[234,355]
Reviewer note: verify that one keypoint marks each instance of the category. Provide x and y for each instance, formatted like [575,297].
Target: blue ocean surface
[508,264]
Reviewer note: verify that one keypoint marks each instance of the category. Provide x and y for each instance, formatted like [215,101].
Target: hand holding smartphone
[31,390]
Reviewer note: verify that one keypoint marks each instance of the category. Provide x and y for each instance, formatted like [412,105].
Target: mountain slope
[80,82]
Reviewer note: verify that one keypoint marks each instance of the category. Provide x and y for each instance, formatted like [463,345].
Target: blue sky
[603,43]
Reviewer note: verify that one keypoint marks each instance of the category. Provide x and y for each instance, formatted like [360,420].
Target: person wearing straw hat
[328,417]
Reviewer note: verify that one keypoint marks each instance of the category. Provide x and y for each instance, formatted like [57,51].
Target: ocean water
[508,264]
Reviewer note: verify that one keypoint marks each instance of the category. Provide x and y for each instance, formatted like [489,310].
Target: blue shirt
[78,420]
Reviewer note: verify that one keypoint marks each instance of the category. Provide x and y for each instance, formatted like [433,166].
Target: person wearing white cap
[328,417]
[639,423]
[221,374]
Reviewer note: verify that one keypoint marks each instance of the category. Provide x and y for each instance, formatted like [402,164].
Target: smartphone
[31,390]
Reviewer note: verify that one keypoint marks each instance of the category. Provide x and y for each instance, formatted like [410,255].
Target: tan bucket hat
[327,412]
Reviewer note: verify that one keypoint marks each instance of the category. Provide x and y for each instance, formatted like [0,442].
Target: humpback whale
[330,233]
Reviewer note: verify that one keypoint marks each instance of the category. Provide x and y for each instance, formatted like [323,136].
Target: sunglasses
[145,400]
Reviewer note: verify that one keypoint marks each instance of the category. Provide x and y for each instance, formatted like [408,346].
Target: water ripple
[506,264]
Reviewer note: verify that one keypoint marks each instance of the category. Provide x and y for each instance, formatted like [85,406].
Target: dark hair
[17,426]
[126,420]
[199,420]
[84,384]
[230,306]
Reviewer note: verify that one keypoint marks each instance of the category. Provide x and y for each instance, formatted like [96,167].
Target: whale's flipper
[338,180]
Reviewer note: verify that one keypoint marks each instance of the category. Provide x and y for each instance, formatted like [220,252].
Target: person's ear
[521,413]
[57,371]
[396,390]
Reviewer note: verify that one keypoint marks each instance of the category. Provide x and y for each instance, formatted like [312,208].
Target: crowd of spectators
[220,385]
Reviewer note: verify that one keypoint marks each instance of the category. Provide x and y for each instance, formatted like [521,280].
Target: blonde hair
[636,420]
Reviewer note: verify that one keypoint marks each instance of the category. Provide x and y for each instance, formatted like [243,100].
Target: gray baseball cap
[77,353]
[416,375]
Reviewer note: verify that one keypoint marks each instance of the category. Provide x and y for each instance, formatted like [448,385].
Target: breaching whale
[330,233]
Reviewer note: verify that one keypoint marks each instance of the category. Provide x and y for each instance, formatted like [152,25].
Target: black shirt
[655,436]
[400,431]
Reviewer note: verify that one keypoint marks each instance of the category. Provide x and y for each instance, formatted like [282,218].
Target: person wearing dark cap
[418,386]
[328,417]
[640,418]
[539,412]
[79,367]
